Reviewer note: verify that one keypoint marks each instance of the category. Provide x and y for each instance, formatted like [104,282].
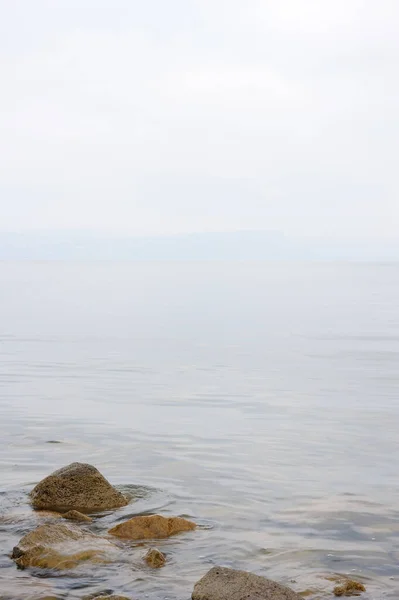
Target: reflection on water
[258,400]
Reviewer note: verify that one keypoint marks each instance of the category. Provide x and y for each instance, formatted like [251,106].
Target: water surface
[259,399]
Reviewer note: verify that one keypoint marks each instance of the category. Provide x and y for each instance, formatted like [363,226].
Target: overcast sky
[172,116]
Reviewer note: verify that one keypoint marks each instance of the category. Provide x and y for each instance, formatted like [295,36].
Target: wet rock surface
[110,598]
[151,527]
[75,515]
[227,584]
[155,558]
[78,486]
[349,588]
[61,546]
[105,595]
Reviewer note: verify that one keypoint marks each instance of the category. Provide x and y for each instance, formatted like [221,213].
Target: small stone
[227,584]
[154,558]
[75,515]
[349,588]
[151,527]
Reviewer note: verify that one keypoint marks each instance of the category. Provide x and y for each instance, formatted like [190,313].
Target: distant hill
[239,245]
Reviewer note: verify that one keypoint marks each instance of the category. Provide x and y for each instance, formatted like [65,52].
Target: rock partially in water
[155,558]
[61,546]
[76,487]
[75,515]
[153,526]
[27,588]
[349,588]
[47,514]
[105,596]
[227,584]
[111,598]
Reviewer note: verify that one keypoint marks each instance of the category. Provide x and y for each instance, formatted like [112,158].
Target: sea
[259,399]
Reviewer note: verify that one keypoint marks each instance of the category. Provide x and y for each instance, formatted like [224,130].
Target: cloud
[197,115]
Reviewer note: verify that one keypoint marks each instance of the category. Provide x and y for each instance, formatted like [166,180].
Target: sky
[160,117]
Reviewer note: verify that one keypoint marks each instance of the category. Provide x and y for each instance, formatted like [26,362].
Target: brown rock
[104,596]
[76,487]
[226,584]
[27,588]
[349,588]
[154,558]
[47,514]
[75,515]
[110,598]
[61,546]
[41,597]
[154,526]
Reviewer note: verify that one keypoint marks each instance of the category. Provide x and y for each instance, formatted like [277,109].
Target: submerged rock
[110,598]
[155,558]
[47,514]
[153,526]
[78,486]
[105,596]
[75,515]
[27,588]
[349,588]
[61,546]
[227,584]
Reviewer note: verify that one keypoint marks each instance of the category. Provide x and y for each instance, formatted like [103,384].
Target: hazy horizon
[235,245]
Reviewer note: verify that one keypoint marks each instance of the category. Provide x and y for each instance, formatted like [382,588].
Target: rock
[40,597]
[47,514]
[154,558]
[76,487]
[104,596]
[110,598]
[29,517]
[349,588]
[154,526]
[61,546]
[75,515]
[227,584]
[27,588]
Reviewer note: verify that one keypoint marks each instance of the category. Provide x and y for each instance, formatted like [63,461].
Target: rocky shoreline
[74,494]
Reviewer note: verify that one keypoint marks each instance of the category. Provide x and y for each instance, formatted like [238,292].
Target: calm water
[261,400]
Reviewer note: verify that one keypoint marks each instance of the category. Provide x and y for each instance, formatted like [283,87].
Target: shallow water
[260,400]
